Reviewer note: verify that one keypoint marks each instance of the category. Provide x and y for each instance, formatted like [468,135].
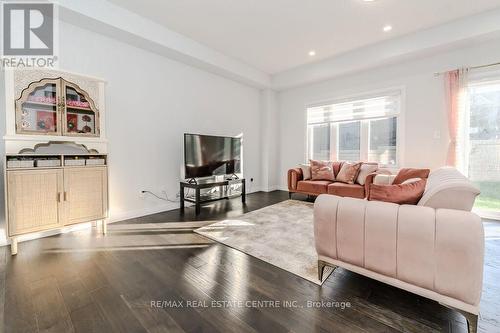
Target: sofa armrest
[448,188]
[294,176]
[441,250]
[371,178]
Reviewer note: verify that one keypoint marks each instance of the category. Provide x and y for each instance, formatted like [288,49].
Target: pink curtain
[452,92]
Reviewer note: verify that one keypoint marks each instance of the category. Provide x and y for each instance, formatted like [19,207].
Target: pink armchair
[435,252]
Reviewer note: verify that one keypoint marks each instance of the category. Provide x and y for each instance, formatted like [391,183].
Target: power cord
[161,198]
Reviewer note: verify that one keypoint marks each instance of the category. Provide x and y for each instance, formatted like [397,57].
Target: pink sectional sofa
[297,184]
[434,249]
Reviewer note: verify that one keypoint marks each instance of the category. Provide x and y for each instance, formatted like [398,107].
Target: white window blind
[363,128]
[365,108]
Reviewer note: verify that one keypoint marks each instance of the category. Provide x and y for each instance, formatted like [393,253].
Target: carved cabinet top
[22,79]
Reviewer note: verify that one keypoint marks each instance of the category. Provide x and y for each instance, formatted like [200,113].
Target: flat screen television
[208,155]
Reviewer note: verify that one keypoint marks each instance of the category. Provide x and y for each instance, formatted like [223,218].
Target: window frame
[463,132]
[400,91]
[484,78]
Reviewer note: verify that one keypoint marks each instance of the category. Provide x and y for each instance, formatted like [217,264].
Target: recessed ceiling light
[368,0]
[312,53]
[387,28]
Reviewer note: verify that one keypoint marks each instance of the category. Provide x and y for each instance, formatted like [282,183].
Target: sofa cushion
[348,172]
[313,186]
[400,193]
[306,171]
[381,227]
[347,190]
[322,170]
[350,231]
[407,173]
[416,235]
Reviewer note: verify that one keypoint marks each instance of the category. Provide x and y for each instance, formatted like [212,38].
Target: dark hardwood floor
[152,274]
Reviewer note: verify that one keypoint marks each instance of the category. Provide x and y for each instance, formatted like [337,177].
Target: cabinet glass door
[37,110]
[81,115]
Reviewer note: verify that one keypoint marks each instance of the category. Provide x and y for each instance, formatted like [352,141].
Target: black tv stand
[192,181]
[198,198]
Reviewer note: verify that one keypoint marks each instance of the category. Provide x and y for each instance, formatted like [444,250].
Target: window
[319,140]
[363,129]
[483,142]
[383,137]
[349,141]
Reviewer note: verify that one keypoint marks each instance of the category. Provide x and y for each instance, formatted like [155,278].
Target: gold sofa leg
[321,268]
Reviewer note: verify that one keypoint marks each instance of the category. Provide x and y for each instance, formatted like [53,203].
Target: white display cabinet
[56,164]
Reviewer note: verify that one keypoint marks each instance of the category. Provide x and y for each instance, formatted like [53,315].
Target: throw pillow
[348,172]
[336,168]
[383,179]
[306,171]
[322,170]
[407,173]
[364,171]
[411,180]
[400,194]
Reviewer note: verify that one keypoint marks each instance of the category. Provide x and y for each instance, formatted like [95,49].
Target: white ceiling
[276,35]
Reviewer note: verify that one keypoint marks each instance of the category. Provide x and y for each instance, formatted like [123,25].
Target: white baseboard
[122,216]
[132,214]
[270,188]
[117,217]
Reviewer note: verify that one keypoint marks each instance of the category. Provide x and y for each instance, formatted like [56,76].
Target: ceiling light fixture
[387,28]
[312,53]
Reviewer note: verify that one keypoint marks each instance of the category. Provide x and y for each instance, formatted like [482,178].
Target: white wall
[150,102]
[424,107]
[269,140]
[2,154]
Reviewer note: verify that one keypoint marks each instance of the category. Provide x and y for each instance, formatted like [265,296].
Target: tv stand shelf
[224,193]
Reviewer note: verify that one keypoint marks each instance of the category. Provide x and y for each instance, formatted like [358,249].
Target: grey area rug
[281,234]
